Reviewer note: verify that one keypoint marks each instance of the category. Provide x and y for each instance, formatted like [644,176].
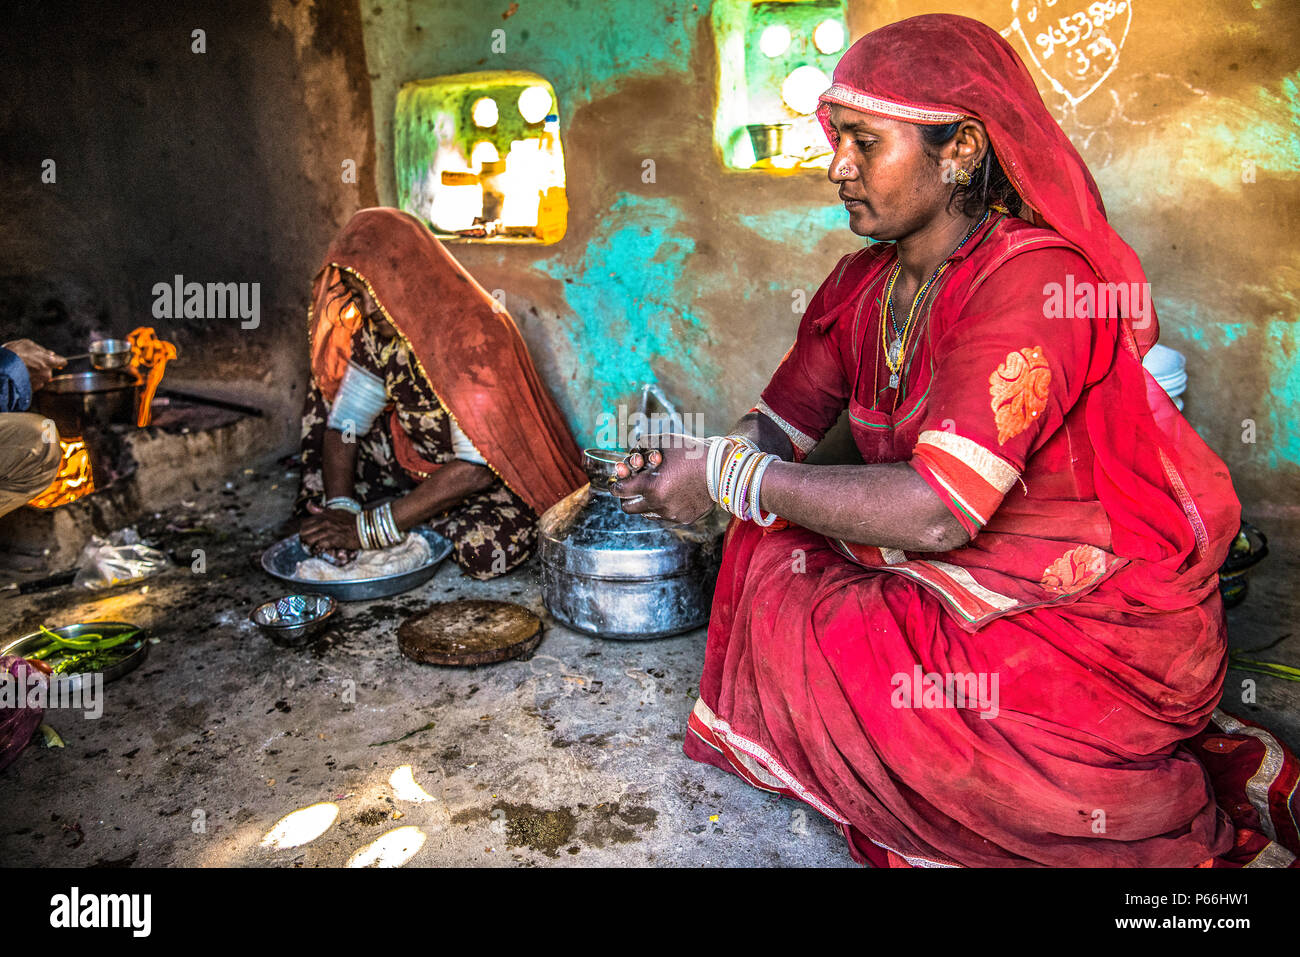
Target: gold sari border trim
[1261,782]
[847,96]
[1273,855]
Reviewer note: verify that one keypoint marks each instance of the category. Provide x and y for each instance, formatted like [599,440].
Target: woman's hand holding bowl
[666,481]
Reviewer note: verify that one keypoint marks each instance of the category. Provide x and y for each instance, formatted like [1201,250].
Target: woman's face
[366,304]
[889,184]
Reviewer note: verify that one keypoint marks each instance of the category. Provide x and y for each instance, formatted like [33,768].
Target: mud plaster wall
[223,166]
[689,280]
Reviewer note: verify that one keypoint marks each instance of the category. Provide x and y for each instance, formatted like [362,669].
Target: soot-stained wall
[220,166]
[1190,127]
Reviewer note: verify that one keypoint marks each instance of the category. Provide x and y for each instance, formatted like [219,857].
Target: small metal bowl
[294,620]
[600,464]
[110,354]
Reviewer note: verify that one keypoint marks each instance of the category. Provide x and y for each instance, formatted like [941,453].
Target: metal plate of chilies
[29,643]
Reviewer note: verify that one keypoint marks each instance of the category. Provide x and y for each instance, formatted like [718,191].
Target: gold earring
[962,177]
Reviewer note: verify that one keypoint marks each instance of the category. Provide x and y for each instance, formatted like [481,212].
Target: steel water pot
[621,576]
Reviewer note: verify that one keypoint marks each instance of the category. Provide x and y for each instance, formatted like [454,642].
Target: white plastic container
[1169,368]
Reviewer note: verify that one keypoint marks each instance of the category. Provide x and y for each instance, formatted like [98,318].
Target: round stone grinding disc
[470,632]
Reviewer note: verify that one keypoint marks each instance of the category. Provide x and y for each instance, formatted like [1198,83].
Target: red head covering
[941,68]
[464,342]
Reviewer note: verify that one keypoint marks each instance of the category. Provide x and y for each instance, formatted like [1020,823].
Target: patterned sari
[1046,694]
[457,357]
[492,531]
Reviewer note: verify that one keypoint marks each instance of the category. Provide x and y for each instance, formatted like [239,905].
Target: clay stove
[126,453]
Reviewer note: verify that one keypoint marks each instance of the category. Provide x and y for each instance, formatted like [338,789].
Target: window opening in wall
[479,157]
[775,58]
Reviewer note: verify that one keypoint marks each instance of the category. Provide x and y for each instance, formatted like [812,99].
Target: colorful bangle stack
[377,529]
[734,473]
[344,503]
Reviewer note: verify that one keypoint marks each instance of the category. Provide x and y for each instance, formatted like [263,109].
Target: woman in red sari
[999,641]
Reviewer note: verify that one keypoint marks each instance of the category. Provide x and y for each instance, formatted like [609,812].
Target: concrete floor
[570,758]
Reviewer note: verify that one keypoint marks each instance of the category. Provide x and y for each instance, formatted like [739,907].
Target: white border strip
[771,766]
[804,443]
[991,468]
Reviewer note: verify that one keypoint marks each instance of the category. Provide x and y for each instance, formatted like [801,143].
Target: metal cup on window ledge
[767,139]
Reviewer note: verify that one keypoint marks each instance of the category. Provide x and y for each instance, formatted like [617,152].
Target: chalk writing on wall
[1075,44]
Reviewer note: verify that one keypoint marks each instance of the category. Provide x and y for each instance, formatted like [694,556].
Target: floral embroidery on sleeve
[1019,390]
[1076,568]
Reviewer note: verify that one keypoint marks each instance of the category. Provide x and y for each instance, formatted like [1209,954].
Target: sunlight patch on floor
[302,826]
[404,787]
[390,850]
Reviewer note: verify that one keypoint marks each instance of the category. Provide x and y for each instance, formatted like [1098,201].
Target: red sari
[1043,695]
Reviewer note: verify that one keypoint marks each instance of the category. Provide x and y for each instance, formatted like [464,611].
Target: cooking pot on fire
[100,398]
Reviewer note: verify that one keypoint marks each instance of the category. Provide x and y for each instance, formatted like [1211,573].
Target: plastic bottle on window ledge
[553,210]
[493,193]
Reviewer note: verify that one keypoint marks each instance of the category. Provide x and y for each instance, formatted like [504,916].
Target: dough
[378,563]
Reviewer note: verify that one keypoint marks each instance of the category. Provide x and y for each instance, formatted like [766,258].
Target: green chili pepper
[1276,669]
[63,666]
[87,649]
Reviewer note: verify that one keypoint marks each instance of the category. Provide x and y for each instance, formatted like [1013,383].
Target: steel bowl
[294,620]
[108,354]
[283,557]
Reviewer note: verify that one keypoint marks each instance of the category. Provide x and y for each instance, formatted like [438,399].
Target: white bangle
[344,503]
[711,465]
[756,511]
[745,487]
[744,440]
[388,525]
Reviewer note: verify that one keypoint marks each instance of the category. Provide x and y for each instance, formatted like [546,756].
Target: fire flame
[149,356]
[73,480]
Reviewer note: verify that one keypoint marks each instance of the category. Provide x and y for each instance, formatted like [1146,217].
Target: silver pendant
[895,349]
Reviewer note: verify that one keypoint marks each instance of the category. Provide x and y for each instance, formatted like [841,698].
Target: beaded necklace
[895,350]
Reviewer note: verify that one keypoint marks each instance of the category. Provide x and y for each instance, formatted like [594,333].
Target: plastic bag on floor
[117,560]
